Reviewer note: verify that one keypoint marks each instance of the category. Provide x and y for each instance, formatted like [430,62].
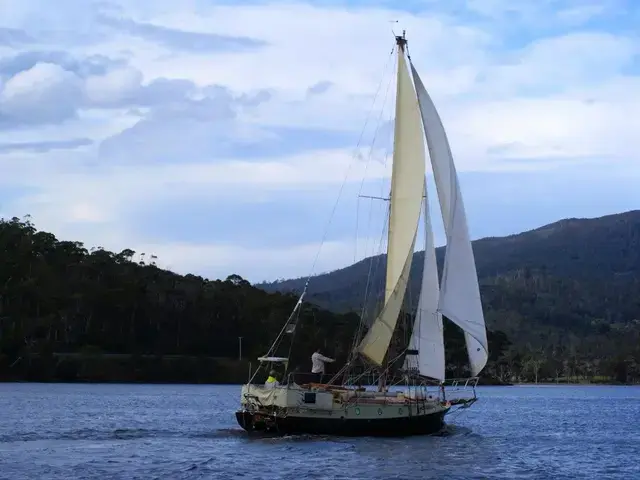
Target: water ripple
[189,432]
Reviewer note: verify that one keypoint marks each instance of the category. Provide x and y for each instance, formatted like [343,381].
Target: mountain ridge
[547,230]
[575,276]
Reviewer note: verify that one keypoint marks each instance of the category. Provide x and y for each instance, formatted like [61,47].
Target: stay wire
[344,181]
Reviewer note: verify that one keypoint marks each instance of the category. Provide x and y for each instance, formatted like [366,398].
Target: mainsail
[407,190]
[459,292]
[427,337]
[458,296]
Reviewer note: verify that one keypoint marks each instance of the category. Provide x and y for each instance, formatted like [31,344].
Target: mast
[405,205]
[401,43]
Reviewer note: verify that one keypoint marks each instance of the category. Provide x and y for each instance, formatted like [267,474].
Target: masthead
[401,40]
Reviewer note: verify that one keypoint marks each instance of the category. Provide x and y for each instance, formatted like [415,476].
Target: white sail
[427,336]
[407,188]
[459,293]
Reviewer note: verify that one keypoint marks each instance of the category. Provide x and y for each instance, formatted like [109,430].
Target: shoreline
[178,382]
[574,384]
[174,369]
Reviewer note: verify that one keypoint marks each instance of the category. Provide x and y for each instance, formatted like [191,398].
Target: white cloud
[92,203]
[33,96]
[229,179]
[254,264]
[170,121]
[113,88]
[559,126]
[564,62]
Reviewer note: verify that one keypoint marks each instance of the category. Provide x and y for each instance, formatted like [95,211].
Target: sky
[238,137]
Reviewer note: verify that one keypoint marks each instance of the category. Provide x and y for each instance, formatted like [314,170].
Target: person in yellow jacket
[272,381]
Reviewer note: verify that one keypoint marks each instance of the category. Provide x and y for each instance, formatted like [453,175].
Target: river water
[62,431]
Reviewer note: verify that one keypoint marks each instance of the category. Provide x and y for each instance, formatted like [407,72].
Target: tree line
[68,313]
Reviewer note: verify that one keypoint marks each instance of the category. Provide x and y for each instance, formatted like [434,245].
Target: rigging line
[344,181]
[369,157]
[276,343]
[359,332]
[358,337]
[373,260]
[293,336]
[372,270]
[387,154]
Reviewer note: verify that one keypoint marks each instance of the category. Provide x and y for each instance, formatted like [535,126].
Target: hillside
[67,313]
[72,314]
[571,285]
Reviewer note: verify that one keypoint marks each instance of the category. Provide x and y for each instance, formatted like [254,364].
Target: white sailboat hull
[295,410]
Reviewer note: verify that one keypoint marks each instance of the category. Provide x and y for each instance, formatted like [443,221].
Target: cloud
[45,146]
[219,135]
[555,64]
[45,93]
[83,67]
[253,263]
[319,88]
[14,37]
[177,39]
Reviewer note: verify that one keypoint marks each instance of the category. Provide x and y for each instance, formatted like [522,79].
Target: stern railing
[460,391]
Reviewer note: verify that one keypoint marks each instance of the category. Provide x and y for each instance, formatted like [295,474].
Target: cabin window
[309,398]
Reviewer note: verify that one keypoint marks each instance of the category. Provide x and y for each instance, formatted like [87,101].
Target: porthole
[379,411]
[357,411]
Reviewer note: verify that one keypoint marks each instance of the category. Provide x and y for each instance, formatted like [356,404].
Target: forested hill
[67,313]
[572,285]
[72,314]
[585,251]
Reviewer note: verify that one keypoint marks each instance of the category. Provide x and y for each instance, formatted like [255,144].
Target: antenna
[393,21]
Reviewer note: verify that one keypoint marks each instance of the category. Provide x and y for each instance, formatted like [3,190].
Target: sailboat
[414,398]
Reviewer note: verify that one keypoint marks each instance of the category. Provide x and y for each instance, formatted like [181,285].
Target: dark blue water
[54,431]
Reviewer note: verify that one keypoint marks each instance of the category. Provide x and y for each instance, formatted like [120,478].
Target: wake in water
[222,433]
[450,430]
[447,431]
[89,434]
[118,434]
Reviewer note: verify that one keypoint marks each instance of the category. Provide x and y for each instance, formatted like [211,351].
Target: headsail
[459,291]
[427,336]
[407,188]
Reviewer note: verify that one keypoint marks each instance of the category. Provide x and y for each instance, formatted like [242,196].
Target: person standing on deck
[317,364]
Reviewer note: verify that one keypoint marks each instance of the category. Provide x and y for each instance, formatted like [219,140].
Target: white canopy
[273,359]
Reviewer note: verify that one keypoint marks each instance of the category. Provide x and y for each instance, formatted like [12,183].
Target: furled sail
[427,336]
[407,188]
[459,291]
